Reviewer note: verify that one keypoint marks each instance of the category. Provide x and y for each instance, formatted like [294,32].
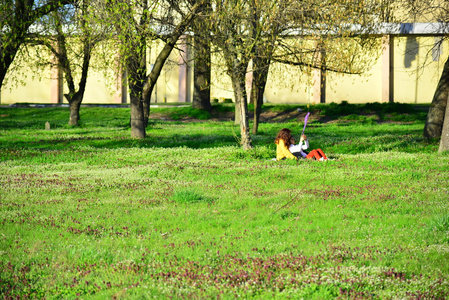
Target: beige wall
[355,88]
[35,91]
[101,88]
[286,84]
[415,72]
[166,89]
[415,75]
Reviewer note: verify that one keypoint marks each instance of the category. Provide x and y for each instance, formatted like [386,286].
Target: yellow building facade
[407,71]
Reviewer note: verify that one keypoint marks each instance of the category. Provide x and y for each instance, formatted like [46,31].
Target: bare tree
[230,23]
[331,36]
[71,35]
[292,32]
[202,60]
[136,23]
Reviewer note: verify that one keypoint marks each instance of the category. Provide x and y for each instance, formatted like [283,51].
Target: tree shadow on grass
[338,139]
[112,132]
[193,142]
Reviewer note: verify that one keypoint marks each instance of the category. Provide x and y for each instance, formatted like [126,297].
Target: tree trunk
[444,142]
[202,62]
[239,85]
[146,112]
[137,77]
[137,117]
[75,98]
[137,69]
[435,116]
[201,73]
[75,104]
[260,75]
[237,112]
[257,100]
[6,60]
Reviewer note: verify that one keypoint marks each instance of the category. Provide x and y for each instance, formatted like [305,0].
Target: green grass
[89,213]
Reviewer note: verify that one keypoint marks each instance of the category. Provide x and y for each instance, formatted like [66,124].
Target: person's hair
[286,136]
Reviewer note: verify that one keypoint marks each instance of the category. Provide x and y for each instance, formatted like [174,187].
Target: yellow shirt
[282,151]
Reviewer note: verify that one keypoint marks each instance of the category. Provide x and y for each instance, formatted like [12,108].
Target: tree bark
[435,116]
[146,112]
[260,76]
[238,79]
[202,61]
[237,113]
[74,105]
[136,67]
[201,73]
[6,60]
[444,142]
[137,120]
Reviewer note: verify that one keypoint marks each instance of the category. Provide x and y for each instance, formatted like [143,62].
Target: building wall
[286,84]
[34,91]
[416,67]
[355,88]
[103,86]
[415,70]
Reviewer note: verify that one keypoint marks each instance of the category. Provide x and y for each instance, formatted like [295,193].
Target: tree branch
[314,66]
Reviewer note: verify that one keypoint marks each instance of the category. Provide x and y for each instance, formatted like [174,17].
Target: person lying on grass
[286,148]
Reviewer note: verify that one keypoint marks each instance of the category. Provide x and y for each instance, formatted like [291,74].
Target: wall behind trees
[32,84]
[415,65]
[415,68]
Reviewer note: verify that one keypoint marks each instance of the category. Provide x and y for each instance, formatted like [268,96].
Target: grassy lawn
[88,213]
